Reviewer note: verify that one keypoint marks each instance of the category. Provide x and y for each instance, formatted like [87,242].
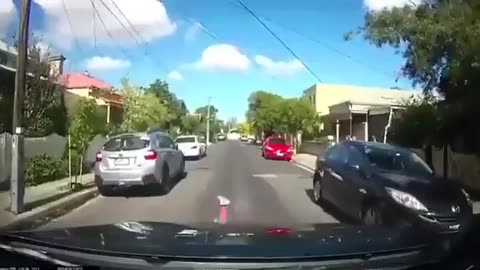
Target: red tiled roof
[81,80]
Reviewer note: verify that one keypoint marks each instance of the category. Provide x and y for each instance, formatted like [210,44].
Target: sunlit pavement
[260,192]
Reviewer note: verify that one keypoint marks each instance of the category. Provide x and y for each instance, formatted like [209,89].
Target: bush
[44,168]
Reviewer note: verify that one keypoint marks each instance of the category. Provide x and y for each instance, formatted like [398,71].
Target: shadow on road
[146,191]
[331,210]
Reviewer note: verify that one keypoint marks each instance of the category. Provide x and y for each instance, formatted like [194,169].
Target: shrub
[43,168]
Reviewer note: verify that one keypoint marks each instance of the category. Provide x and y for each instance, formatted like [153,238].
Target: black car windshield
[126,143]
[185,140]
[277,141]
[398,161]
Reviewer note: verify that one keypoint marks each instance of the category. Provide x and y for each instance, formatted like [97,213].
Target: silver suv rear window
[125,143]
[185,140]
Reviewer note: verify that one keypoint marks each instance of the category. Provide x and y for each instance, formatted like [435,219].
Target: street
[260,191]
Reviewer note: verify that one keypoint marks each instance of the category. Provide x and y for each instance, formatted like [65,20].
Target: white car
[233,135]
[191,146]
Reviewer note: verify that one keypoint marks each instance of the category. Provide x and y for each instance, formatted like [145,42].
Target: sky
[213,48]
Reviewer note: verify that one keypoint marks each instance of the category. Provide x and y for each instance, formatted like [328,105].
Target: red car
[276,148]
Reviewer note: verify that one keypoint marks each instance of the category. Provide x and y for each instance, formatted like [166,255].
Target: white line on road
[265,175]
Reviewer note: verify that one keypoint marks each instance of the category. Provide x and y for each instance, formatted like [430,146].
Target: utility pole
[208,120]
[17,184]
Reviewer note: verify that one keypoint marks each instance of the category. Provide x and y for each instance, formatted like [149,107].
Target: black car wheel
[317,188]
[371,215]
[165,180]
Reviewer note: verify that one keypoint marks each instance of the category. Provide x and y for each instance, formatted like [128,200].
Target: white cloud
[223,57]
[105,63]
[149,18]
[175,75]
[280,68]
[377,5]
[7,13]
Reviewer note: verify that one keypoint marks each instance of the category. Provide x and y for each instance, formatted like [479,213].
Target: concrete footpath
[44,200]
[307,161]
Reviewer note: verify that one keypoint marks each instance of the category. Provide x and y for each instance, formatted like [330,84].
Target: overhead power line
[138,40]
[77,44]
[279,39]
[106,30]
[327,46]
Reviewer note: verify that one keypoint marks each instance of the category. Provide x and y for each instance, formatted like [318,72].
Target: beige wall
[325,95]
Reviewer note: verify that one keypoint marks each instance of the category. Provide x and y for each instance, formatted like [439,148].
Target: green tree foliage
[86,122]
[204,111]
[190,124]
[246,128]
[176,108]
[44,111]
[142,109]
[439,41]
[270,112]
[420,116]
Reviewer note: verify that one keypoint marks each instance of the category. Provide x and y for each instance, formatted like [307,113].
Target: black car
[389,185]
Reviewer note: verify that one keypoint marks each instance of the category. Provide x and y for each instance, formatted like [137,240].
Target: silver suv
[138,159]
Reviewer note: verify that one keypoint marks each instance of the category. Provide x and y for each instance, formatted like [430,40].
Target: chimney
[56,64]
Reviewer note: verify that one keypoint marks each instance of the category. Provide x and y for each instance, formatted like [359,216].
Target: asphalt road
[260,191]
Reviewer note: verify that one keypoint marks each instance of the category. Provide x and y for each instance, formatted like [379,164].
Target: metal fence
[53,145]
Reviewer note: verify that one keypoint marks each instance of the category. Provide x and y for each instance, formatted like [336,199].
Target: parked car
[138,159]
[191,146]
[276,148]
[221,137]
[384,184]
[243,137]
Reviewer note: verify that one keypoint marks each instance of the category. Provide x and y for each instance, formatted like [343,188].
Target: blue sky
[214,47]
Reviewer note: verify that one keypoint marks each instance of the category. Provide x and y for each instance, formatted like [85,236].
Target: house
[85,85]
[360,112]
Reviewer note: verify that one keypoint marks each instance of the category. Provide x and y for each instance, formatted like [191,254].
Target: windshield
[277,141]
[220,112]
[396,161]
[185,140]
[125,143]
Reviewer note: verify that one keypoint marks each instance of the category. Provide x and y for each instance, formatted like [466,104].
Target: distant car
[243,138]
[276,148]
[233,134]
[384,184]
[138,159]
[221,137]
[191,146]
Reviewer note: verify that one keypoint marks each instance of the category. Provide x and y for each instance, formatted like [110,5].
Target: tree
[204,111]
[190,124]
[44,111]
[176,108]
[142,110]
[86,122]
[421,116]
[438,40]
[264,111]
[271,113]
[246,128]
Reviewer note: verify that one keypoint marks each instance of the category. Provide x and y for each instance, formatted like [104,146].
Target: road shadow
[145,191]
[332,210]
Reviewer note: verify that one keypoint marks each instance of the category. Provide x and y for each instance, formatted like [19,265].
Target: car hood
[229,241]
[435,192]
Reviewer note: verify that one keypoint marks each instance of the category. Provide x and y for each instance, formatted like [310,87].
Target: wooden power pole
[17,187]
